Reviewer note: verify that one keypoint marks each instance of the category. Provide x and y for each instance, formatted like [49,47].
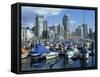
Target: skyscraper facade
[91,33]
[85,31]
[45,33]
[45,25]
[66,24]
[60,31]
[90,30]
[39,26]
[79,31]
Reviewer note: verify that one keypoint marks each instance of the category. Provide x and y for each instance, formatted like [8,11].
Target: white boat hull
[70,54]
[51,55]
[24,55]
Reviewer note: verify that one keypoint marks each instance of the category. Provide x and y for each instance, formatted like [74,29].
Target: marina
[65,45]
[56,63]
[41,57]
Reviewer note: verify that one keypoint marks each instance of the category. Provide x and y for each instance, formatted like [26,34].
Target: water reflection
[60,62]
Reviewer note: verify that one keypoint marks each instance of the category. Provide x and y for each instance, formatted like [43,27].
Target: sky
[54,16]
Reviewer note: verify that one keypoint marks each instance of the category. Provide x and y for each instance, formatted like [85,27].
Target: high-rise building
[91,33]
[54,29]
[90,30]
[66,24]
[45,33]
[85,31]
[45,25]
[60,31]
[79,31]
[39,26]
[51,35]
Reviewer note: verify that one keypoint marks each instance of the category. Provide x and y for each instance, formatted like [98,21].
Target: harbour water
[60,62]
[65,61]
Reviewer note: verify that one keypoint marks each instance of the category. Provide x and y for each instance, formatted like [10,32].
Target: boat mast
[84,16]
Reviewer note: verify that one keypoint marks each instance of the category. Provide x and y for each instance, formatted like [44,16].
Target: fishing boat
[51,55]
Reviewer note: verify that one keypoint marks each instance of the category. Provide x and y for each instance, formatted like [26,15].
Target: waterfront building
[51,35]
[45,25]
[54,29]
[66,24]
[39,26]
[90,30]
[79,31]
[45,33]
[60,31]
[91,33]
[27,36]
[85,31]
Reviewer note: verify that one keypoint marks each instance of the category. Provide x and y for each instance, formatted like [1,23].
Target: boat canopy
[40,49]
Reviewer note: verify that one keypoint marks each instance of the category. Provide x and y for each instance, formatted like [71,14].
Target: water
[56,63]
[60,62]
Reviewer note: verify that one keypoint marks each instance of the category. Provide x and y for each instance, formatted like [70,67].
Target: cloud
[27,24]
[42,11]
[29,13]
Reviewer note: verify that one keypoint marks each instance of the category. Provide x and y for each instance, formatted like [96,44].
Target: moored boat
[24,52]
[38,52]
[70,54]
[51,55]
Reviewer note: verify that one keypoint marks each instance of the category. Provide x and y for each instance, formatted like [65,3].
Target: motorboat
[38,52]
[70,54]
[76,52]
[84,53]
[52,61]
[84,56]
[24,52]
[52,55]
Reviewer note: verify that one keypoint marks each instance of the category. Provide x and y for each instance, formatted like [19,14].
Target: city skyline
[54,16]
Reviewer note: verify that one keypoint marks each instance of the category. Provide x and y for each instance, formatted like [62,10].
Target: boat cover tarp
[40,49]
